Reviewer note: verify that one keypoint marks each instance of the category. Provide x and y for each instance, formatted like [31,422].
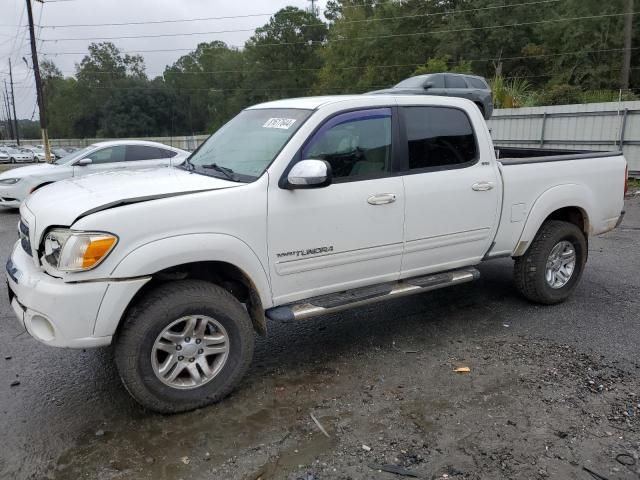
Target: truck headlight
[9,181]
[70,251]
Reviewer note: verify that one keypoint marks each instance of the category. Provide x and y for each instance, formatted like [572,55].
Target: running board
[336,302]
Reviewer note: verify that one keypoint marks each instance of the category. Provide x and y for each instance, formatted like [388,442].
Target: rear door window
[439,138]
[144,152]
[455,81]
[476,83]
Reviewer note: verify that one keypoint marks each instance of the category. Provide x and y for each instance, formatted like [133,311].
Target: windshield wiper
[227,172]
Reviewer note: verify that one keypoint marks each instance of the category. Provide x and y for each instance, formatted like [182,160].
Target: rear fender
[561,196]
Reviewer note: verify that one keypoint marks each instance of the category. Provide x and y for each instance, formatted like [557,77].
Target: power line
[377,37]
[24,32]
[305,25]
[250,15]
[252,89]
[356,67]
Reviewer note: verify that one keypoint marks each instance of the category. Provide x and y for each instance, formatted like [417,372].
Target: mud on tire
[530,269]
[150,317]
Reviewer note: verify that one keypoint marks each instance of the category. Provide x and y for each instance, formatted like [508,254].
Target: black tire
[155,311]
[529,269]
[12,160]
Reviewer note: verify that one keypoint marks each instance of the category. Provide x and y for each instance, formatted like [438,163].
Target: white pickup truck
[296,208]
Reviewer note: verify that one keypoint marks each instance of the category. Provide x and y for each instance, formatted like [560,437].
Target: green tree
[204,85]
[283,57]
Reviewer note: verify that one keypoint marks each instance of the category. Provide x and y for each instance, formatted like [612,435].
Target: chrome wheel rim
[190,352]
[561,264]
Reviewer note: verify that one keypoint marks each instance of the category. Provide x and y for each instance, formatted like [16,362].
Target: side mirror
[84,162]
[428,85]
[309,174]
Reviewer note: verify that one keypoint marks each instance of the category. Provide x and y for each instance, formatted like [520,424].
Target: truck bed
[543,180]
[519,156]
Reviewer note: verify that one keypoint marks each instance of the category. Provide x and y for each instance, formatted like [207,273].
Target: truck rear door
[452,189]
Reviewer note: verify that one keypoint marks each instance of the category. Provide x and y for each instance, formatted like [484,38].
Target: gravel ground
[551,391]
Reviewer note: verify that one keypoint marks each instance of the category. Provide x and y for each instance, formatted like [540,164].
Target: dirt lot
[551,390]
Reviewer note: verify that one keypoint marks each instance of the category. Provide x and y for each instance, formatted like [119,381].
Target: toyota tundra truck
[296,208]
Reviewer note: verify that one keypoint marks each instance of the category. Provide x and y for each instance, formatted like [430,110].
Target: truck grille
[24,237]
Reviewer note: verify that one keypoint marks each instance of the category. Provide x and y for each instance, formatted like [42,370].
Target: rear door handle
[482,186]
[381,199]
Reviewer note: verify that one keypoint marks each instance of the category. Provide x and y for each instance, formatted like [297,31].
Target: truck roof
[314,103]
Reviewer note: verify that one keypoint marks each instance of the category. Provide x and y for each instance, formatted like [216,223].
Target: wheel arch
[218,258]
[39,186]
[569,203]
[223,274]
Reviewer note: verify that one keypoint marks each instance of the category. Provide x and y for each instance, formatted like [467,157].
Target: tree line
[532,51]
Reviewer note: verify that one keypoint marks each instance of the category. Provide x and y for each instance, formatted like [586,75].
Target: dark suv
[472,87]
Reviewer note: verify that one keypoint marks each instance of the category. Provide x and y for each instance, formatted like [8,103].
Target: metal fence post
[544,122]
[623,128]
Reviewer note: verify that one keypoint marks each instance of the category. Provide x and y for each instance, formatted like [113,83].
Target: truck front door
[347,234]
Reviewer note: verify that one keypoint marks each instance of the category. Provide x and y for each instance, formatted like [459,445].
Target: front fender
[555,198]
[199,247]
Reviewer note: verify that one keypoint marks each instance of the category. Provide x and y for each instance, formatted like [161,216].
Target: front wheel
[184,345]
[551,268]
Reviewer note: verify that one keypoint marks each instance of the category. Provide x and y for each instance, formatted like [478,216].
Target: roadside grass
[8,166]
[634,184]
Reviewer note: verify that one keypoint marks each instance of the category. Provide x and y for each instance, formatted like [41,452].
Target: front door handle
[482,186]
[381,199]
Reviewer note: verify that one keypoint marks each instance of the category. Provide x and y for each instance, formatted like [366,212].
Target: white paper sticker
[283,123]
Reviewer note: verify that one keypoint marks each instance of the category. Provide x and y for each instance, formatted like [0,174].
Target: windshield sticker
[283,123]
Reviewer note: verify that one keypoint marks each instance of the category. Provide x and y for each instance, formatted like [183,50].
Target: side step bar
[336,302]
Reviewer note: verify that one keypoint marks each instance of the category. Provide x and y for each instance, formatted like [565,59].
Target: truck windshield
[243,148]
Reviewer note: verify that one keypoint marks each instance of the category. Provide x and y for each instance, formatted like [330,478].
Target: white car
[17,155]
[4,157]
[17,184]
[297,208]
[38,154]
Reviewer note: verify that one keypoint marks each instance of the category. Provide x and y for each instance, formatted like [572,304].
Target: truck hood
[22,172]
[62,203]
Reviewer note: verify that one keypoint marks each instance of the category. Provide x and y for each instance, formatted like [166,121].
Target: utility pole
[626,54]
[16,130]
[39,92]
[7,107]
[6,119]
[313,6]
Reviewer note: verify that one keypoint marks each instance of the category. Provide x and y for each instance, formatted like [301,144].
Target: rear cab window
[438,138]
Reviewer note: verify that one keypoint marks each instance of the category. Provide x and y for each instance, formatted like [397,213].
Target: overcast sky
[14,39]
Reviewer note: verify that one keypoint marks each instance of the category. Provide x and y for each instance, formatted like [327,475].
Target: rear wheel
[184,345]
[12,160]
[551,268]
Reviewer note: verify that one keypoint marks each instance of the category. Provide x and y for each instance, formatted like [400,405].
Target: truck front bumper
[62,314]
